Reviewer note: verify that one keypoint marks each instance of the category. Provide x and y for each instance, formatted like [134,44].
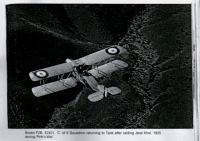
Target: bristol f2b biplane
[81,70]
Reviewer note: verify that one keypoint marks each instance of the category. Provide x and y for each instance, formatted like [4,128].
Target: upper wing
[108,68]
[100,55]
[51,71]
[68,67]
[54,87]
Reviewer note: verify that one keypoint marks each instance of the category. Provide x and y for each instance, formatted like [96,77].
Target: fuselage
[82,75]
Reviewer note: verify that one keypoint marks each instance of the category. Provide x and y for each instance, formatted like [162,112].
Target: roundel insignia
[112,50]
[41,73]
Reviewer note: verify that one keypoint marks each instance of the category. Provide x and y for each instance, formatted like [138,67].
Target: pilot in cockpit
[83,69]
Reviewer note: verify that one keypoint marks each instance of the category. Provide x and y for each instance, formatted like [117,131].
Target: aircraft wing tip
[34,92]
[32,76]
[122,63]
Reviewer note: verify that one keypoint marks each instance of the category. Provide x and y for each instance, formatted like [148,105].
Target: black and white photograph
[99,66]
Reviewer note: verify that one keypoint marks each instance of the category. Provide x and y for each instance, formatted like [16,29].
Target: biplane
[81,70]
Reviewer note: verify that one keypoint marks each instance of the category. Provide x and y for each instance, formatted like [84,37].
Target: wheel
[113,50]
[41,73]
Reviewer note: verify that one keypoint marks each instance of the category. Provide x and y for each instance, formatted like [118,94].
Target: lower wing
[54,87]
[51,71]
[108,68]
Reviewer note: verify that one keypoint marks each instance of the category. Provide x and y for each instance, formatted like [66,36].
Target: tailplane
[99,95]
[95,96]
[113,90]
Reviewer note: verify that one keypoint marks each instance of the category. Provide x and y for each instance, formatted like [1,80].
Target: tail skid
[99,95]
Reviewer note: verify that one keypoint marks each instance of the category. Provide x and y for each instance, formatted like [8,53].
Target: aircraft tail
[113,90]
[95,96]
[100,95]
